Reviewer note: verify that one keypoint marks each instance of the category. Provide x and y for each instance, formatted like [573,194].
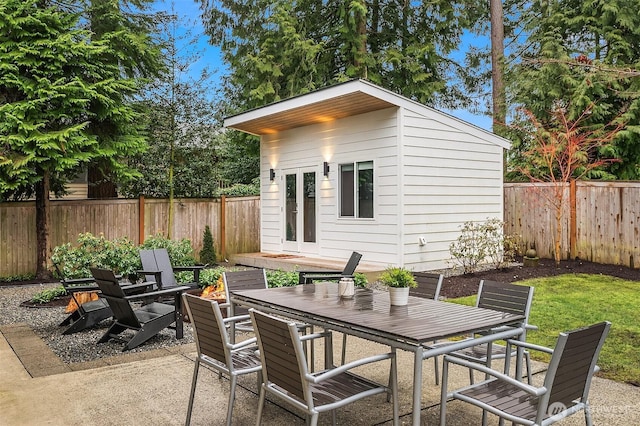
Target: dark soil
[58,301]
[467,285]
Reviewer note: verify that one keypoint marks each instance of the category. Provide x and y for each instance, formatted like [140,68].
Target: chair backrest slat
[573,362]
[148,260]
[280,353]
[164,266]
[209,331]
[352,264]
[505,297]
[112,291]
[429,285]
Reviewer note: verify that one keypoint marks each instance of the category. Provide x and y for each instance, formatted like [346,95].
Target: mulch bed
[467,285]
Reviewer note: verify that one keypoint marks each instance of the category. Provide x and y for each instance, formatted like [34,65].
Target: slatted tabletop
[369,311]
[370,315]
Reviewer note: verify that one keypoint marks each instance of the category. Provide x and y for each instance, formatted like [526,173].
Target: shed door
[300,201]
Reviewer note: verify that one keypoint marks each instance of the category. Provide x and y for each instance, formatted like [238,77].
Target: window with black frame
[356,189]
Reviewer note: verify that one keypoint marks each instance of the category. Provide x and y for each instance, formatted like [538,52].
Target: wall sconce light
[272,175]
[326,168]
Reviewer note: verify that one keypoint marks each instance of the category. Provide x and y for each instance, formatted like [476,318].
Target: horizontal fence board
[118,218]
[607,220]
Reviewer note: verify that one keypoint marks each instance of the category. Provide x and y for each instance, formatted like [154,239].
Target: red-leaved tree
[562,150]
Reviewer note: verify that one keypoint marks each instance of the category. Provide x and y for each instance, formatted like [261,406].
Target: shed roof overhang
[304,110]
[335,102]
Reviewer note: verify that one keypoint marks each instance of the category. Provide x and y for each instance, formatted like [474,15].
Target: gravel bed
[83,346]
[77,347]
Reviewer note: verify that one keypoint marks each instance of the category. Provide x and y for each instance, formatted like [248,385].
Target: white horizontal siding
[371,136]
[449,177]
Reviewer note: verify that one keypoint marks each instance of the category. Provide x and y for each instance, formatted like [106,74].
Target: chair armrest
[87,287]
[72,281]
[312,336]
[346,367]
[531,346]
[133,287]
[145,272]
[236,318]
[164,292]
[241,345]
[193,268]
[188,268]
[319,272]
[532,390]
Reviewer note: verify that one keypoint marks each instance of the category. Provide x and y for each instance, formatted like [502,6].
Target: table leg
[179,323]
[417,386]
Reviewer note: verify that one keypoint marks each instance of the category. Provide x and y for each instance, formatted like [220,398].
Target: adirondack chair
[147,320]
[307,277]
[565,389]
[156,266]
[92,312]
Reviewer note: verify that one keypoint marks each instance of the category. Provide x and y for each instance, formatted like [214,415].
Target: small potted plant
[399,280]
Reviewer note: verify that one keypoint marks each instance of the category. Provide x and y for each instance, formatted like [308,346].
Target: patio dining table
[370,315]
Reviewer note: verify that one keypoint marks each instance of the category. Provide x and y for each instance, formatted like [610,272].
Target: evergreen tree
[578,56]
[208,252]
[53,82]
[276,50]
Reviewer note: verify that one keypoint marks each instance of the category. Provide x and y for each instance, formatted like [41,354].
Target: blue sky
[212,57]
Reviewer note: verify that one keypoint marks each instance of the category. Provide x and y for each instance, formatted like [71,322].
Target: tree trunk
[42,226]
[497,62]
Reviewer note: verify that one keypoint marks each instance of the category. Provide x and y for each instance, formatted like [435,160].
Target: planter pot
[399,296]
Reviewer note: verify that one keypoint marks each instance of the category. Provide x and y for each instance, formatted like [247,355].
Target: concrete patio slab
[154,391]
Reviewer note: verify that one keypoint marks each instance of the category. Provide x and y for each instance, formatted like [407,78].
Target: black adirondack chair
[307,277]
[93,312]
[156,266]
[147,320]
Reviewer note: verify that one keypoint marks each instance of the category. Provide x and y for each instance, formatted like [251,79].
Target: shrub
[209,276]
[280,278]
[180,251]
[242,189]
[119,255]
[46,296]
[482,243]
[208,252]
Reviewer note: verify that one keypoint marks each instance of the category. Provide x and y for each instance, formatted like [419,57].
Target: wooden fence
[234,223]
[601,223]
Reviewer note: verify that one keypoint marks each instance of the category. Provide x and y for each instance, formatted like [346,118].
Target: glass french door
[300,207]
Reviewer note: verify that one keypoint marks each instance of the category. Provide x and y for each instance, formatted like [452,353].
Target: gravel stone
[77,347]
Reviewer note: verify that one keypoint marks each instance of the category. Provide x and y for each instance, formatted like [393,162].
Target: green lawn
[565,302]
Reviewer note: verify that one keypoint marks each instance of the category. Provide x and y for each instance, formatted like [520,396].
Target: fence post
[573,225]
[223,226]
[141,219]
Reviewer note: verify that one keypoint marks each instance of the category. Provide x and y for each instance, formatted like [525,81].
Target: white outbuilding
[355,167]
